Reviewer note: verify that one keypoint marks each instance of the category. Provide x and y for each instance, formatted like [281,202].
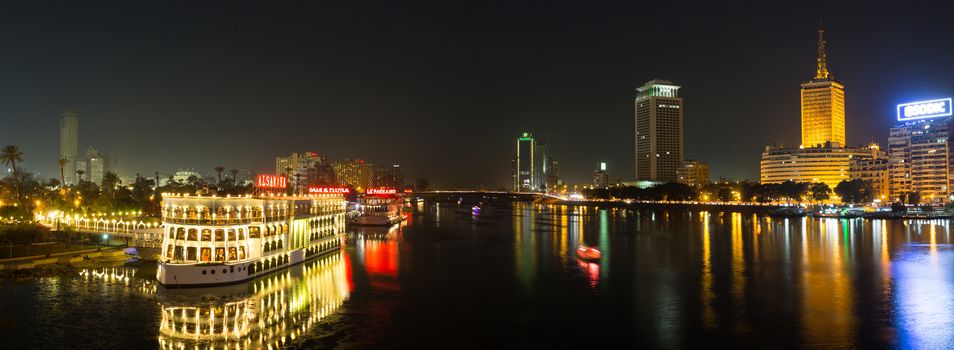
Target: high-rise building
[823,104]
[601,177]
[659,138]
[301,169]
[391,176]
[96,164]
[873,170]
[693,173]
[822,157]
[553,173]
[919,151]
[355,173]
[69,144]
[525,169]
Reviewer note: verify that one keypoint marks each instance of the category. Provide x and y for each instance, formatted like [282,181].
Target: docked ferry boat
[380,207]
[214,240]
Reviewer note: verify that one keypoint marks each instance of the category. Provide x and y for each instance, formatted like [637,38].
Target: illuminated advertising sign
[333,190]
[271,181]
[383,191]
[924,109]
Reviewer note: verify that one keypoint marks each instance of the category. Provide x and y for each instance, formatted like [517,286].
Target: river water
[509,277]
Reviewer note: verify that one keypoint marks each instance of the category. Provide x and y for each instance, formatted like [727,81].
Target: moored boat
[787,212]
[380,207]
[215,241]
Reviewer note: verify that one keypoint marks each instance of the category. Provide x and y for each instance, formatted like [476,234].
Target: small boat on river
[588,254]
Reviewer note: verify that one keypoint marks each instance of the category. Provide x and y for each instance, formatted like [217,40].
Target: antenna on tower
[822,70]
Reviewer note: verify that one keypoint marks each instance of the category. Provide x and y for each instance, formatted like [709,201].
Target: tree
[854,191]
[218,171]
[725,194]
[80,173]
[110,181]
[793,190]
[63,162]
[234,173]
[820,191]
[10,155]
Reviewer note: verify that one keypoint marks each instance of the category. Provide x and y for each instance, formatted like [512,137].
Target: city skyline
[128,79]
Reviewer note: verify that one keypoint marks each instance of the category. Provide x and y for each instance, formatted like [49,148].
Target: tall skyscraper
[69,143]
[823,104]
[525,169]
[823,155]
[659,138]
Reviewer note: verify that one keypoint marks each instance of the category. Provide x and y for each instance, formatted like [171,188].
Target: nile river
[509,277]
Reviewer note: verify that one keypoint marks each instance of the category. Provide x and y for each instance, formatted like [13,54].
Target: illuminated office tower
[659,138]
[355,173]
[823,104]
[525,167]
[69,143]
[919,152]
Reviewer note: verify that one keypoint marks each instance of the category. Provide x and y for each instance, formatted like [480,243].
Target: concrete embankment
[60,262]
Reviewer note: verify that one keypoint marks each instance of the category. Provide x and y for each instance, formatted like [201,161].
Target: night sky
[444,88]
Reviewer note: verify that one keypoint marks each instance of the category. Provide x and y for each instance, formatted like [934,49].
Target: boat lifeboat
[587,253]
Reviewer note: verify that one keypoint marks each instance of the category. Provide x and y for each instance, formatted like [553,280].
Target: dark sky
[443,88]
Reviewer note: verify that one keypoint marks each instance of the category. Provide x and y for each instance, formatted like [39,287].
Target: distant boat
[587,253]
[787,212]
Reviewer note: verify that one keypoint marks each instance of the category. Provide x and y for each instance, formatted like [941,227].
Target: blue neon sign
[924,109]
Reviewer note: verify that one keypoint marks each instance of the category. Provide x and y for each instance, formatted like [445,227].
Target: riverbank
[733,207]
[60,263]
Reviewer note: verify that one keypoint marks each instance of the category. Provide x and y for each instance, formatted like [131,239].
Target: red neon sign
[383,191]
[272,181]
[337,190]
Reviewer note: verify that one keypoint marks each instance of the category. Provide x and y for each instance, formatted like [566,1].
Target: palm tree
[234,173]
[10,155]
[79,173]
[218,170]
[63,162]
[157,180]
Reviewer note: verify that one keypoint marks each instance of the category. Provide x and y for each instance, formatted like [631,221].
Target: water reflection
[265,313]
[666,279]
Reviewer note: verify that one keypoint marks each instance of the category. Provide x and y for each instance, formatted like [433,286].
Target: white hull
[376,220]
[212,274]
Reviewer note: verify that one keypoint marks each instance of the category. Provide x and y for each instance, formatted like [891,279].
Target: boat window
[190,254]
[241,254]
[178,255]
[241,233]
[254,232]
[193,233]
[206,254]
[233,253]
[206,235]
[219,254]
[231,235]
[219,235]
